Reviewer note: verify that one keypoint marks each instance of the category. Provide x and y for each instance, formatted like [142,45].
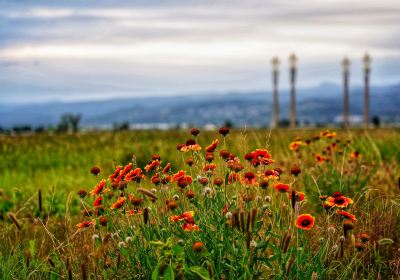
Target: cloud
[166,47]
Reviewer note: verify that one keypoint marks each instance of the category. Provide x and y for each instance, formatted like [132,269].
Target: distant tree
[19,129]
[121,126]
[69,122]
[40,129]
[284,123]
[376,121]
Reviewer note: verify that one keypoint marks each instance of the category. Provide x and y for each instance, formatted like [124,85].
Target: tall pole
[292,62]
[346,66]
[275,108]
[367,68]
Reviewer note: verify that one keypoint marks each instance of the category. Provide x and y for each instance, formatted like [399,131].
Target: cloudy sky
[79,50]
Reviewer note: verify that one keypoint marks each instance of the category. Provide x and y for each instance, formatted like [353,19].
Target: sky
[83,50]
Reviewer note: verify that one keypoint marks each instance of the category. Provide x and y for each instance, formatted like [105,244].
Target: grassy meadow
[260,204]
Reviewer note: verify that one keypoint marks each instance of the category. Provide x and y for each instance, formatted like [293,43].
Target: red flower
[347,215]
[152,165]
[135,175]
[211,148]
[119,203]
[156,179]
[190,145]
[338,200]
[95,170]
[305,221]
[195,131]
[209,167]
[167,168]
[299,196]
[249,179]
[98,188]
[223,131]
[86,224]
[281,187]
[190,227]
[182,179]
[98,201]
[260,156]
[188,215]
[233,177]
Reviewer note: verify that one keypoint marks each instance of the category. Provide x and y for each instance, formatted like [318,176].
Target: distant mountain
[322,104]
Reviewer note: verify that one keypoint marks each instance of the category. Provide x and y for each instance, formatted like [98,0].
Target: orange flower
[152,165]
[98,188]
[328,134]
[119,203]
[98,201]
[190,145]
[299,196]
[167,168]
[190,227]
[305,221]
[134,212]
[338,200]
[260,156]
[116,173]
[271,174]
[198,246]
[347,215]
[281,187]
[249,179]
[86,224]
[182,179]
[134,175]
[320,159]
[185,216]
[233,177]
[209,167]
[296,144]
[355,155]
[126,169]
[211,148]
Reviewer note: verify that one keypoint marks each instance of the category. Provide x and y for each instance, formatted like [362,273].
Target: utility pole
[346,67]
[293,62]
[367,68]
[275,108]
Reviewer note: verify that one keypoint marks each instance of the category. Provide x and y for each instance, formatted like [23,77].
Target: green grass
[59,165]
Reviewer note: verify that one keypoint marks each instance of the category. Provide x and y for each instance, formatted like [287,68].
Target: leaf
[201,272]
[169,273]
[154,274]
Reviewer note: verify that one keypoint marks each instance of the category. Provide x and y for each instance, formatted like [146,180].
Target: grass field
[248,227]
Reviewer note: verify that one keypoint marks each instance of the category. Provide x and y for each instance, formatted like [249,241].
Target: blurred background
[69,65]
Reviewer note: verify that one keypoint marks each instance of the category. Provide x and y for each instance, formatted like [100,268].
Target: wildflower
[347,226]
[182,179]
[156,179]
[184,216]
[189,194]
[298,195]
[224,154]
[355,155]
[295,145]
[86,224]
[152,165]
[128,239]
[195,131]
[82,193]
[209,157]
[359,246]
[136,201]
[253,244]
[211,148]
[364,237]
[209,167]
[328,134]
[95,170]
[320,159]
[338,201]
[134,212]
[198,246]
[119,203]
[189,161]
[103,221]
[180,146]
[114,176]
[305,221]
[121,244]
[260,156]
[268,199]
[233,177]
[190,227]
[235,165]
[190,145]
[203,181]
[98,201]
[223,131]
[281,187]
[346,215]
[295,170]
[98,188]
[272,174]
[166,168]
[264,184]
[249,179]
[135,175]
[218,181]
[172,205]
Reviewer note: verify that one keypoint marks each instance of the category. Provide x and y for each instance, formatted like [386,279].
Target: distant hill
[322,104]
